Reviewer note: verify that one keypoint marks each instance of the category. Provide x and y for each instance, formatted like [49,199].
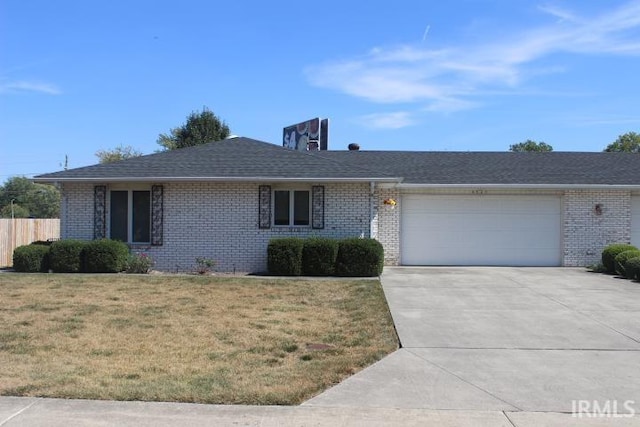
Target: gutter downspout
[373,227]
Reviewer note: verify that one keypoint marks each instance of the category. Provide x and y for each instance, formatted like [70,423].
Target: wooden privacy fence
[22,231]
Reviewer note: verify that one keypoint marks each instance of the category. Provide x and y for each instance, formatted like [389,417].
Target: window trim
[130,232]
[292,191]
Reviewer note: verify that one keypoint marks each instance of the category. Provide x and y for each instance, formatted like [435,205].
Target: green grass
[186,338]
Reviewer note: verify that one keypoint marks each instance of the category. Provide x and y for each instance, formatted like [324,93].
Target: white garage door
[480,230]
[635,221]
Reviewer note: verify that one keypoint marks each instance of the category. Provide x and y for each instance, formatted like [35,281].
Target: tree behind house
[29,199]
[628,142]
[530,145]
[119,153]
[200,128]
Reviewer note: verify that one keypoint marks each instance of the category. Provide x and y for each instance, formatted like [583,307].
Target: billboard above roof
[310,135]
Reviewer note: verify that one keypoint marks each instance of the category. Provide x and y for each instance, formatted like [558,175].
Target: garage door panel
[487,230]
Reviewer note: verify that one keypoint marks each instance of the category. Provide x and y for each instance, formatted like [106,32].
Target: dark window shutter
[157,215]
[99,211]
[264,206]
[317,206]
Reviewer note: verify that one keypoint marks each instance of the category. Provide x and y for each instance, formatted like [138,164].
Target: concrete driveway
[515,340]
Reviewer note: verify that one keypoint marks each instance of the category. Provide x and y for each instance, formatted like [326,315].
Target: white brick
[220,221]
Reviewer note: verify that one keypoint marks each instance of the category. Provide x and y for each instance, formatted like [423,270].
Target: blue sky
[471,75]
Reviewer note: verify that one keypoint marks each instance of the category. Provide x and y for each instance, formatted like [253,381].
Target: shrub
[284,256]
[204,265]
[31,259]
[105,256]
[359,258]
[319,256]
[622,258]
[632,268]
[139,264]
[65,256]
[42,242]
[609,255]
[597,268]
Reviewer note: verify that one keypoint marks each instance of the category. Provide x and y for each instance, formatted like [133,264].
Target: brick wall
[586,232]
[220,221]
[76,211]
[387,220]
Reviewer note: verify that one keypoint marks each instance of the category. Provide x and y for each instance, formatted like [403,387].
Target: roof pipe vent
[353,146]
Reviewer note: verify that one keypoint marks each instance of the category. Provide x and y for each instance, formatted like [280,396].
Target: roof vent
[353,146]
[232,136]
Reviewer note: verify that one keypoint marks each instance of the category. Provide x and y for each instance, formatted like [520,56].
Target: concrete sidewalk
[35,412]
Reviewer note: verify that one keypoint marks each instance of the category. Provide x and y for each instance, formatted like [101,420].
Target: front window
[130,216]
[292,207]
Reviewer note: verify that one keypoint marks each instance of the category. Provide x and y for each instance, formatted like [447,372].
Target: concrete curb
[36,412]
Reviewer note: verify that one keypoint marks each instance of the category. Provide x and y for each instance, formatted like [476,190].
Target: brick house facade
[220,221]
[210,202]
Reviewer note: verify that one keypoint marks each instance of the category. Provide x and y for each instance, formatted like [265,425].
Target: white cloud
[450,105]
[558,12]
[29,86]
[453,77]
[394,120]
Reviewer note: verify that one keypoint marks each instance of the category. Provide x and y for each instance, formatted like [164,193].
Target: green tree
[628,142]
[39,200]
[200,128]
[119,153]
[15,211]
[530,145]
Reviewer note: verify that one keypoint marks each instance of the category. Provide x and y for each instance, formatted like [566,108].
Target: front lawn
[186,338]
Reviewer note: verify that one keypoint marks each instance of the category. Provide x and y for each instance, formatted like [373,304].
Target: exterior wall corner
[388,223]
[593,219]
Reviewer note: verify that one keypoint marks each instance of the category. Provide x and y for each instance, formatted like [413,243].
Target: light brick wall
[220,221]
[585,233]
[387,220]
[76,211]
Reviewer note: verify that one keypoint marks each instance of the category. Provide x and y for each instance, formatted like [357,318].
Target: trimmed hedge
[33,258]
[42,242]
[284,256]
[609,255]
[622,258]
[319,256]
[359,258]
[66,256]
[632,268]
[105,256]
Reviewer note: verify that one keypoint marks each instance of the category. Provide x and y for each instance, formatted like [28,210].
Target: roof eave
[213,179]
[523,186]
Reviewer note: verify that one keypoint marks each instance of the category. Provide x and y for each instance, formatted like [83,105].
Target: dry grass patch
[186,338]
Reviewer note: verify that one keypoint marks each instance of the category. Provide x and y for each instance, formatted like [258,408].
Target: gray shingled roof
[506,168]
[248,159]
[231,159]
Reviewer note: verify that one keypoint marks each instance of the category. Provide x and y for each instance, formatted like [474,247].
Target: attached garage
[635,220]
[496,230]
